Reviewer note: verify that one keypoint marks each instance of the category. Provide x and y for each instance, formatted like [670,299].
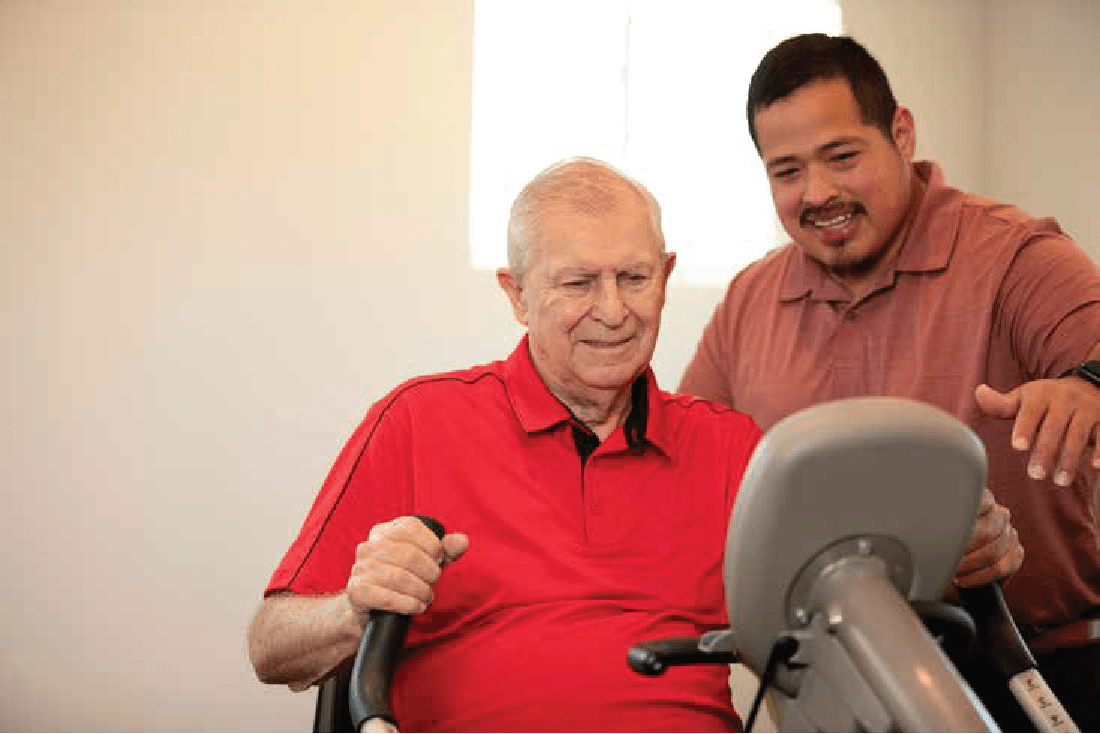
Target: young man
[896,284]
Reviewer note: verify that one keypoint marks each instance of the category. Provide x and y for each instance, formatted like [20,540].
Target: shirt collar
[927,248]
[537,409]
[931,240]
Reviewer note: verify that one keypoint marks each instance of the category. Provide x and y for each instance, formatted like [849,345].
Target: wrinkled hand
[994,550]
[396,566]
[1056,419]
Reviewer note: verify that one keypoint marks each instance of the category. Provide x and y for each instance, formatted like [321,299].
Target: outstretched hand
[1056,419]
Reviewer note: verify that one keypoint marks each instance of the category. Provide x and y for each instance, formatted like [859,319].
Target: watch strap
[1088,371]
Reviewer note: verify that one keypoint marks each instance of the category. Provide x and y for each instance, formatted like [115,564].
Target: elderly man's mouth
[606,343]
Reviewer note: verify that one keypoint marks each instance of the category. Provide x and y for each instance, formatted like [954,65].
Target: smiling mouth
[837,221]
[837,216]
[606,343]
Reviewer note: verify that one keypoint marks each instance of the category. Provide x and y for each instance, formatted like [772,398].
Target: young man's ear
[514,288]
[904,132]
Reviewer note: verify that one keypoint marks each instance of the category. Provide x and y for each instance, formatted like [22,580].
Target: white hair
[581,184]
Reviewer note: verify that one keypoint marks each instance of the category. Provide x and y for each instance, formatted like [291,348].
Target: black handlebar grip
[653,657]
[379,650]
[996,631]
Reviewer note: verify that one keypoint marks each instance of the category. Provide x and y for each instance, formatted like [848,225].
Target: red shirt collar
[537,409]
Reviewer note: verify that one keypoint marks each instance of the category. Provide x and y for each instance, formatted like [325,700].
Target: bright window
[656,88]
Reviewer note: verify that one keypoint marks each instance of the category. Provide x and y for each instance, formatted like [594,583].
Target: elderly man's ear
[514,289]
[670,263]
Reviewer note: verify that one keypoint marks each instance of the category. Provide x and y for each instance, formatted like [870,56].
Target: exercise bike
[847,530]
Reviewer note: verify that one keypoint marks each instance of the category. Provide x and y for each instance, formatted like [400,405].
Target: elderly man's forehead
[557,248]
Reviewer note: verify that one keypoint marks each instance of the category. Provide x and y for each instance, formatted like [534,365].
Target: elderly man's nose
[610,307]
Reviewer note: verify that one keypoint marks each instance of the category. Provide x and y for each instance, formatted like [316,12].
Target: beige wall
[1043,110]
[1006,95]
[227,227]
[933,52]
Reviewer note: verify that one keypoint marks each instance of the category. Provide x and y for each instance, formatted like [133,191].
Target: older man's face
[592,297]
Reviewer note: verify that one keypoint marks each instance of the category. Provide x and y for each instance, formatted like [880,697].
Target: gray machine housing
[854,508]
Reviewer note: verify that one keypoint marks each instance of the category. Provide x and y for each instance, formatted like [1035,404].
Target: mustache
[830,209]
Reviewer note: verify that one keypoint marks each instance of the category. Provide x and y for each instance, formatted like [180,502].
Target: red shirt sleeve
[368,484]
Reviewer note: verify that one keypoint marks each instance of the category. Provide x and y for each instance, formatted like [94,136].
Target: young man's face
[842,188]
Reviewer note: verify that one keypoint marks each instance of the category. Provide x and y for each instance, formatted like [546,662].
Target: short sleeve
[1050,303]
[369,483]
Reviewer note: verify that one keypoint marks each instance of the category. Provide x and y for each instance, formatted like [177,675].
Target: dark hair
[815,57]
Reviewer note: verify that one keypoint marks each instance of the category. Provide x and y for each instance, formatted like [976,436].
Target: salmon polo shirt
[980,293]
[571,561]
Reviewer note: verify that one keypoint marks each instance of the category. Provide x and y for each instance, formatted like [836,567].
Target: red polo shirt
[570,562]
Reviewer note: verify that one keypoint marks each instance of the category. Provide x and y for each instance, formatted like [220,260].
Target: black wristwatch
[1089,371]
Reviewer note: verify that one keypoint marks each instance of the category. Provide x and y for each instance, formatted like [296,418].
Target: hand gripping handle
[379,650]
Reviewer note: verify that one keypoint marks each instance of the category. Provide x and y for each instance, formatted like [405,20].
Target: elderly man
[592,506]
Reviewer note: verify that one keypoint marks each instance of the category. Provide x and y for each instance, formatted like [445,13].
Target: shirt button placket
[591,499]
[849,359]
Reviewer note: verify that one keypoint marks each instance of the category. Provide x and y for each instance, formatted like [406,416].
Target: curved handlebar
[996,629]
[1007,652]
